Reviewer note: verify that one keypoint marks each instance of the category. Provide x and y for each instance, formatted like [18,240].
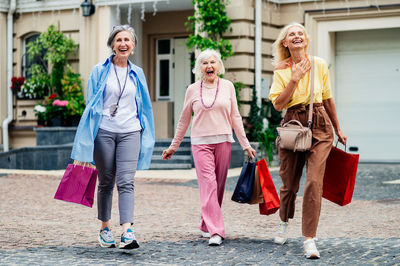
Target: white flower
[39,108]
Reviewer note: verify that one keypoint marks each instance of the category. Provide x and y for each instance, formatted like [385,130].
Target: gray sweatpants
[116,157]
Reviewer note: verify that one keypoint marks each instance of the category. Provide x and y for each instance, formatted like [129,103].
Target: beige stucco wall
[94,31]
[3,70]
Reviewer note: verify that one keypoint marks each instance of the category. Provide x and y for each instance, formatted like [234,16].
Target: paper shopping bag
[340,176]
[271,199]
[244,187]
[77,185]
[257,196]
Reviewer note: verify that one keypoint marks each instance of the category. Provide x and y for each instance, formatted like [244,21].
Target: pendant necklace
[114,107]
[308,80]
[201,95]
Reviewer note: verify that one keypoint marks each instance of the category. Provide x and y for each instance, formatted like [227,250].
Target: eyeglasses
[125,27]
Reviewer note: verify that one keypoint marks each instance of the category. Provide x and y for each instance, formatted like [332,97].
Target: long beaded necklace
[292,63]
[114,107]
[201,95]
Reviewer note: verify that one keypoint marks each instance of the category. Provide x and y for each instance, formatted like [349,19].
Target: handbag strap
[311,93]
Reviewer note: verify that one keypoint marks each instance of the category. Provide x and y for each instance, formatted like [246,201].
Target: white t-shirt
[126,119]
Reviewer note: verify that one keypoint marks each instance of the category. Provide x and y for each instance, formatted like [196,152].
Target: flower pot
[41,122]
[73,121]
[55,122]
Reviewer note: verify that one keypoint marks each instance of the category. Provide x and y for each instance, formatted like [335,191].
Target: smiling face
[209,68]
[295,38]
[123,44]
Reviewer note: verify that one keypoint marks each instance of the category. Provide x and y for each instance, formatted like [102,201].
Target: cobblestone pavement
[36,229]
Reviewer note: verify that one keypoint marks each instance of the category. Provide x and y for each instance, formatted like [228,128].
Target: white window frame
[158,59]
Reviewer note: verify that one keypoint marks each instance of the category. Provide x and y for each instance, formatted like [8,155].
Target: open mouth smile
[210,72]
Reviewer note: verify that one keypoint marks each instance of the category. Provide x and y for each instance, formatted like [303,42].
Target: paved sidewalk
[36,229]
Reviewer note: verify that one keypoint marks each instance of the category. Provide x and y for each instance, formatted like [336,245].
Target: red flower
[16,83]
[54,95]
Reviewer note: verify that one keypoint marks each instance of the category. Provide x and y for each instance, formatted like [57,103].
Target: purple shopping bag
[77,185]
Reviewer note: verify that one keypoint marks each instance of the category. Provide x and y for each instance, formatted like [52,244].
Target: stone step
[165,142]
[174,160]
[180,151]
[162,166]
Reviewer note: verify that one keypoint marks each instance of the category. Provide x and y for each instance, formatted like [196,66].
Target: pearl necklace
[201,95]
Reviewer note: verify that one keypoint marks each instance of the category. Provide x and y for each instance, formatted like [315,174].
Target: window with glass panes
[163,71]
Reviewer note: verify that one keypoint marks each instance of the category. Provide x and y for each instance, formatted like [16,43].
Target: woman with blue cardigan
[116,132]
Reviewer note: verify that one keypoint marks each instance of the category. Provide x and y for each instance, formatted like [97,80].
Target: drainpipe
[258,50]
[7,121]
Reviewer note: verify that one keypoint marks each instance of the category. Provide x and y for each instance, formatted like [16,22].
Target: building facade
[359,39]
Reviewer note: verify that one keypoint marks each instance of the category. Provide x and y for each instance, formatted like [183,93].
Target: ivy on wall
[211,21]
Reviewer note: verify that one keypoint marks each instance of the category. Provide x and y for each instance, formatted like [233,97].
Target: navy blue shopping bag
[244,187]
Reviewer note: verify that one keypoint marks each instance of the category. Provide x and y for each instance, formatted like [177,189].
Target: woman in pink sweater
[212,101]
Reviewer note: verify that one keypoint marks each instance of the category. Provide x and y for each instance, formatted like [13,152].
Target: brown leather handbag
[293,135]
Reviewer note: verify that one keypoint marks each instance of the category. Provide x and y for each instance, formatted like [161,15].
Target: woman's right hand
[167,154]
[301,69]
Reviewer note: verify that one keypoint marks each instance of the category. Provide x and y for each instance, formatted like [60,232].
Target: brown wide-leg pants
[292,164]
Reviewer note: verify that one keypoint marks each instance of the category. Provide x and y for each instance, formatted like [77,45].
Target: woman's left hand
[251,152]
[341,137]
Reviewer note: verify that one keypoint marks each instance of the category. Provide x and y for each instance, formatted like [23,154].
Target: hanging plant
[212,21]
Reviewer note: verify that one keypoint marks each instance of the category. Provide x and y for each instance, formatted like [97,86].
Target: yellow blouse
[322,86]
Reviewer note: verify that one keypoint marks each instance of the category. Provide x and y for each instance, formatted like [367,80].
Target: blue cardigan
[90,121]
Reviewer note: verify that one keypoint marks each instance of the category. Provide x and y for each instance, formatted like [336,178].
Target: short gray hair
[207,53]
[117,29]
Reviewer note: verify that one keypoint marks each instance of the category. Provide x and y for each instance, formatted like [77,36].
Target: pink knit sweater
[220,119]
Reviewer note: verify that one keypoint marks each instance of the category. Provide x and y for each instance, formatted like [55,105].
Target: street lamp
[87,8]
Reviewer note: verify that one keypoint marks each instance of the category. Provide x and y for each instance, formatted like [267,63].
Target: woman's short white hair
[206,54]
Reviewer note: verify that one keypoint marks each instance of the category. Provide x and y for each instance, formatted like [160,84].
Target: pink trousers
[212,163]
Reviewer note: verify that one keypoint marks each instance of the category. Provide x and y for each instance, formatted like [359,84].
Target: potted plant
[73,93]
[16,84]
[64,103]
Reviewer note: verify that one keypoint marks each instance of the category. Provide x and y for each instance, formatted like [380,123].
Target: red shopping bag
[271,199]
[340,176]
[77,185]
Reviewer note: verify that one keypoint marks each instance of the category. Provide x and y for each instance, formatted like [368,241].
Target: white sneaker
[310,250]
[215,240]
[281,234]
[205,234]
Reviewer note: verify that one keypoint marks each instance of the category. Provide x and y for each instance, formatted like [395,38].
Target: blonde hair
[207,53]
[280,52]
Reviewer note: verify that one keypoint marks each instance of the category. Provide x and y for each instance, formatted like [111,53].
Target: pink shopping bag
[77,185]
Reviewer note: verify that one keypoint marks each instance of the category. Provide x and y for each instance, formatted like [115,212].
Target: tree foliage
[52,47]
[212,21]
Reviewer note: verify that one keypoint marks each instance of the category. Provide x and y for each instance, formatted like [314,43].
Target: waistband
[304,107]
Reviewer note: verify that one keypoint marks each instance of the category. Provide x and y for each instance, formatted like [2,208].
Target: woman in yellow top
[290,90]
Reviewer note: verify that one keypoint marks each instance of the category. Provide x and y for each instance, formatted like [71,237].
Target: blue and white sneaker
[106,238]
[128,240]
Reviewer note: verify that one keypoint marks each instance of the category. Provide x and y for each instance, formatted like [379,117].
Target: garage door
[367,94]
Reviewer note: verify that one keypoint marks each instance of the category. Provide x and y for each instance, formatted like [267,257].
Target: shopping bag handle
[84,164]
[345,148]
[251,160]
